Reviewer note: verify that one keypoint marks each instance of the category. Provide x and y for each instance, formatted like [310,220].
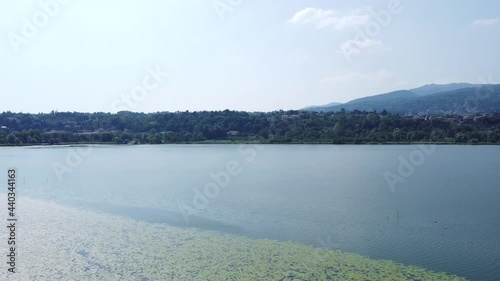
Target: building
[468,119]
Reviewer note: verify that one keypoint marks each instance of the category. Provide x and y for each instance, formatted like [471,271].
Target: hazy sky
[255,55]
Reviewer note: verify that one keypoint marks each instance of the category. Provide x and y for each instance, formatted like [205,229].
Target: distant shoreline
[233,127]
[244,142]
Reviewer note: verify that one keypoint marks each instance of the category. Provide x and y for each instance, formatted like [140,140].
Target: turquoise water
[442,212]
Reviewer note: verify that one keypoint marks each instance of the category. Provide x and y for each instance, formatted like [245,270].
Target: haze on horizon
[91,56]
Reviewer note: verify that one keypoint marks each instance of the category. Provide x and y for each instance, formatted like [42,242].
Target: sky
[258,55]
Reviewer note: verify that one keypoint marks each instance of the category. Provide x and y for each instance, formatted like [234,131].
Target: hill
[430,99]
[437,88]
[319,107]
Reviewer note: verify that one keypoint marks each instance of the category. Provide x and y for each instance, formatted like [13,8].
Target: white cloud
[486,22]
[331,18]
[359,77]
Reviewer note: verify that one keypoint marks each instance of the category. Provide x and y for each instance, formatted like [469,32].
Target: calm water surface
[442,214]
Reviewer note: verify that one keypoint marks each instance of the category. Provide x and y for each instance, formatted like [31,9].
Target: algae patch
[62,243]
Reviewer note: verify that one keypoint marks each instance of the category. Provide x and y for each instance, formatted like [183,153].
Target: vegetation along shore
[278,127]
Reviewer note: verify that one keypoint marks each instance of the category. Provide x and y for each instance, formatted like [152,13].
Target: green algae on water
[62,243]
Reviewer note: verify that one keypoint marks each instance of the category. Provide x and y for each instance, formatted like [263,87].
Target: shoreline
[242,142]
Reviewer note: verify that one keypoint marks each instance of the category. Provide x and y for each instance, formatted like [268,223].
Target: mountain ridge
[455,98]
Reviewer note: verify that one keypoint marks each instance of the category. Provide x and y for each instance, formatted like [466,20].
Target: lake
[436,207]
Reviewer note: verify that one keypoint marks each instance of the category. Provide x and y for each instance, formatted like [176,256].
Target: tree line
[356,127]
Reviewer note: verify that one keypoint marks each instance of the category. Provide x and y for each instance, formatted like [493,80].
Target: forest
[341,127]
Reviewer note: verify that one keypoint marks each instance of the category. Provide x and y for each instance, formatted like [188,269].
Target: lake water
[441,211]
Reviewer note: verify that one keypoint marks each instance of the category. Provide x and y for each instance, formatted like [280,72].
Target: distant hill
[483,99]
[458,98]
[317,107]
[437,88]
